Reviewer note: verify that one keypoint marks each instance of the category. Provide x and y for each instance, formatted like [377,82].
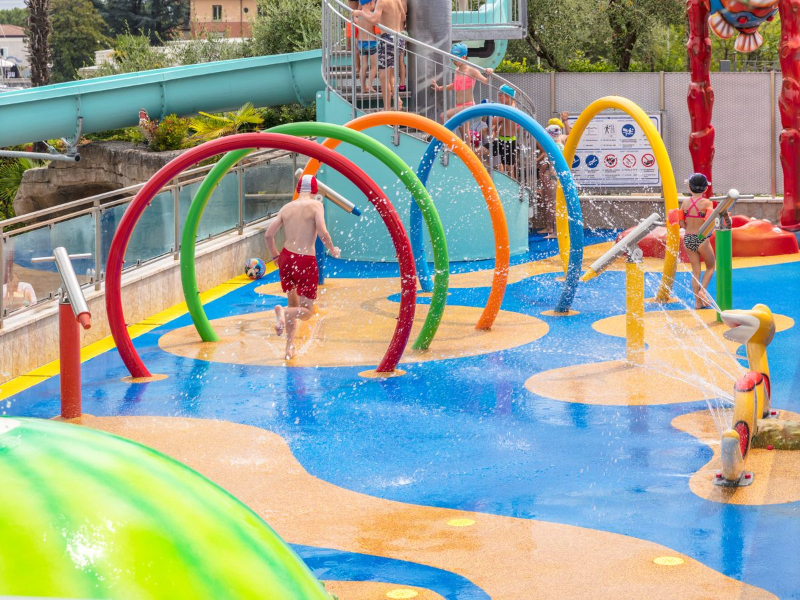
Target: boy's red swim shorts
[299,271]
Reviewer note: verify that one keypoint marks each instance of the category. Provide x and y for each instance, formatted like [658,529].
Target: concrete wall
[603,212]
[746,120]
[30,340]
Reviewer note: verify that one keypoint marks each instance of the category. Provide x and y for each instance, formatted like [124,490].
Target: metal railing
[489,19]
[341,37]
[253,191]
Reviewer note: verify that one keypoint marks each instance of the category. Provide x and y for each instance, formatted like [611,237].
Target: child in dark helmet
[693,213]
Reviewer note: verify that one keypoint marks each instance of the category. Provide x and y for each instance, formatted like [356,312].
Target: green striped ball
[85,514]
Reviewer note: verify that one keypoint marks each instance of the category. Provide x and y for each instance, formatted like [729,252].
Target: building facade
[231,17]
[14,46]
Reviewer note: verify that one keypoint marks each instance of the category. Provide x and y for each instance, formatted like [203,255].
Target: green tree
[78,30]
[159,20]
[556,30]
[14,16]
[632,20]
[287,26]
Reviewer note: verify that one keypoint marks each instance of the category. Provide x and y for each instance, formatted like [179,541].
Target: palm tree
[39,30]
[210,127]
[11,172]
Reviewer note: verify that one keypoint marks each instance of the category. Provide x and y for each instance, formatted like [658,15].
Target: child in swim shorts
[303,220]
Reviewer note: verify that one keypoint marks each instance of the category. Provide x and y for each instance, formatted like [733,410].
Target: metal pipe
[176,222]
[333,196]
[98,250]
[40,156]
[725,204]
[69,282]
[240,222]
[626,245]
[2,273]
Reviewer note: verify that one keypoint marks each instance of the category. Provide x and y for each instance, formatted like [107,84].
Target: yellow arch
[667,181]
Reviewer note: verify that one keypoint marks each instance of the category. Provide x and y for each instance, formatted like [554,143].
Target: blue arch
[562,170]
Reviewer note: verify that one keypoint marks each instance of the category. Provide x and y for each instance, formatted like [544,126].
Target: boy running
[302,221]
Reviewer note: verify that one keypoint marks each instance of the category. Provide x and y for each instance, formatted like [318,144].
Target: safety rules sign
[614,152]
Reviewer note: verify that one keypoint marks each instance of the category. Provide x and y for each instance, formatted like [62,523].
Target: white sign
[614,152]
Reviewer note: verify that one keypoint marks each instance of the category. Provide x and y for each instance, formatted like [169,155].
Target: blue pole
[562,170]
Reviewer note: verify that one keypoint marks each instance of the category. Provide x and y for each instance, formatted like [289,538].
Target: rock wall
[104,166]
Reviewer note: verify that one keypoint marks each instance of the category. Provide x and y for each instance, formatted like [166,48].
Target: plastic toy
[255,268]
[85,514]
[755,328]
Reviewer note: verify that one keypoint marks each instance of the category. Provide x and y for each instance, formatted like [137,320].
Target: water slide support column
[430,22]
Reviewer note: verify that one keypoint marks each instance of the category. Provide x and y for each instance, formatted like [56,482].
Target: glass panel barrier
[267,187]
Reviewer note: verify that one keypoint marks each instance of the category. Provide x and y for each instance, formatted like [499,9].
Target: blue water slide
[113,102]
[565,178]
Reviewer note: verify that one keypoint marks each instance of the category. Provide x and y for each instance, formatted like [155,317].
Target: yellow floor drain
[668,561]
[400,593]
[460,522]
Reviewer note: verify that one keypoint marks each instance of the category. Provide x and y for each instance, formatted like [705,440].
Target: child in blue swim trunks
[367,47]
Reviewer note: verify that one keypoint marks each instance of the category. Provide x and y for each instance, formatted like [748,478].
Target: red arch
[116,254]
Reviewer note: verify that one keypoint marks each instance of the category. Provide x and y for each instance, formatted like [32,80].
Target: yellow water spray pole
[634,284]
[634,307]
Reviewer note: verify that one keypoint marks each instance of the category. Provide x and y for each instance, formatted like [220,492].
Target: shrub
[287,26]
[288,113]
[210,127]
[170,134]
[515,66]
[11,173]
[129,134]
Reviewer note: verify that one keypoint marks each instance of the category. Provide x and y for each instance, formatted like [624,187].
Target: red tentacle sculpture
[789,104]
[701,95]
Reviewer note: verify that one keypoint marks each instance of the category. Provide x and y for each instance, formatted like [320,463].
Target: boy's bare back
[300,225]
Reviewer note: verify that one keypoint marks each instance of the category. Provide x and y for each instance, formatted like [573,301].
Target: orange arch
[502,246]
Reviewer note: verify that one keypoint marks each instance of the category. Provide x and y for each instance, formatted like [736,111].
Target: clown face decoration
[743,16]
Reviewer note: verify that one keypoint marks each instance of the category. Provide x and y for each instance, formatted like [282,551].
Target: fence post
[98,247]
[240,177]
[552,92]
[353,54]
[662,92]
[773,133]
[2,272]
[176,210]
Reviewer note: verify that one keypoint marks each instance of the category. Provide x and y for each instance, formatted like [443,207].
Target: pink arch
[116,254]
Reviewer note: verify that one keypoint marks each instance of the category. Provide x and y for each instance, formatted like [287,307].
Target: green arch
[325,130]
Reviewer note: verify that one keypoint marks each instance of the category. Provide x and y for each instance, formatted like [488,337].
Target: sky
[4,4]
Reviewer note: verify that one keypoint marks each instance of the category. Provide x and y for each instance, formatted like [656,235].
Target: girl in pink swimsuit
[692,214]
[463,82]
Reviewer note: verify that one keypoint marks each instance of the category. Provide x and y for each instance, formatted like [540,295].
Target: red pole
[789,104]
[701,95]
[70,361]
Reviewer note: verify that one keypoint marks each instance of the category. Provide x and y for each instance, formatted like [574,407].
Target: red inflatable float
[751,237]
